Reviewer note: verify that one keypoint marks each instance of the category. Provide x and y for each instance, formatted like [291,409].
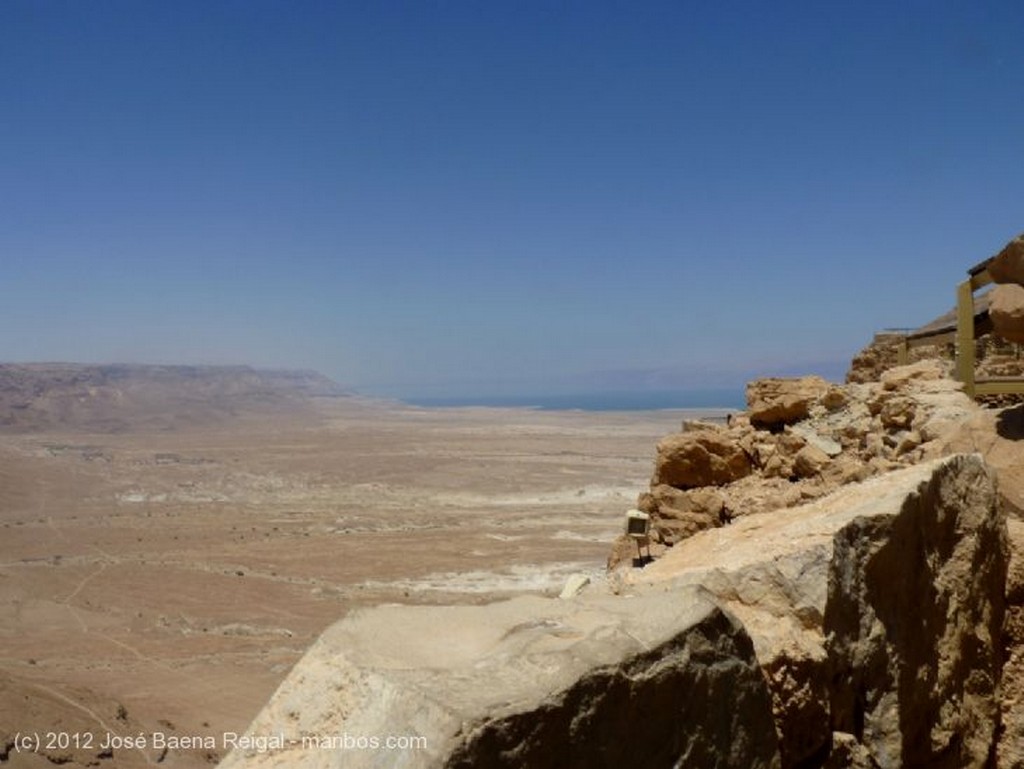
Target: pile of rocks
[798,440]
[882,354]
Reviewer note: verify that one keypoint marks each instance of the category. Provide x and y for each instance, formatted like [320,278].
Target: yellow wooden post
[965,336]
[903,352]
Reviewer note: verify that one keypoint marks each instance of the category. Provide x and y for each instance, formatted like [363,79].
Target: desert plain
[164,578]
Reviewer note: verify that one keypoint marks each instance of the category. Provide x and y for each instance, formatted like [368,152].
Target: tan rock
[903,377]
[751,446]
[810,461]
[847,753]
[874,446]
[775,452]
[812,437]
[880,464]
[599,680]
[1010,750]
[874,612]
[700,425]
[869,363]
[1015,572]
[940,415]
[999,437]
[755,495]
[663,498]
[1008,265]
[1006,310]
[775,402]
[897,411]
[740,422]
[677,514]
[790,442]
[778,466]
[898,654]
[907,442]
[846,469]
[707,501]
[835,398]
[703,458]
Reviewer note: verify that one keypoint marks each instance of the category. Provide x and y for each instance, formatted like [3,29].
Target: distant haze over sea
[600,401]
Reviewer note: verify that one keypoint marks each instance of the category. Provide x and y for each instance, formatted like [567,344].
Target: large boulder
[912,376]
[999,437]
[699,458]
[1006,310]
[810,461]
[874,612]
[1008,265]
[677,514]
[774,402]
[596,681]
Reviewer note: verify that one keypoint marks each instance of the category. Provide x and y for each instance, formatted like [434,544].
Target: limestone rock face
[1010,750]
[776,402]
[915,601]
[1008,264]
[600,681]
[874,612]
[1007,312]
[699,458]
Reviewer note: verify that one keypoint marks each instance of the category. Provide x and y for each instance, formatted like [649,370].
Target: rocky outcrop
[875,614]
[883,353]
[706,475]
[704,457]
[857,631]
[680,513]
[1006,310]
[909,613]
[597,681]
[775,402]
[997,436]
[1008,265]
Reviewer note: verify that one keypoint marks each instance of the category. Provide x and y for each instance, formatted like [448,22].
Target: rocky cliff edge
[861,630]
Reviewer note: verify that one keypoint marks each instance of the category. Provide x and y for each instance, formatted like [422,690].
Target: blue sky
[477,198]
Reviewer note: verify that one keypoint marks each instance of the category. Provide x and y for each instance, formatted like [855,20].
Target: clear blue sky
[474,198]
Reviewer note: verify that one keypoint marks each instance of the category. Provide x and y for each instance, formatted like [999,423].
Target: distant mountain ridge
[124,397]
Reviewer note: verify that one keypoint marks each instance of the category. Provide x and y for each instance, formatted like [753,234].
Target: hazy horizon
[498,201]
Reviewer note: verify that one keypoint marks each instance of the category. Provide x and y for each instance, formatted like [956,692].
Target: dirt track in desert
[167,581]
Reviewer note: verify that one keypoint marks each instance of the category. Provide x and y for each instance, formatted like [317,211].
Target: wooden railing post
[965,335]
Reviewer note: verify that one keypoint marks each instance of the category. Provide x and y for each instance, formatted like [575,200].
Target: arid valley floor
[167,580]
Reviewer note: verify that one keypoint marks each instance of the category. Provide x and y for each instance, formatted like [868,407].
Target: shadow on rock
[1010,423]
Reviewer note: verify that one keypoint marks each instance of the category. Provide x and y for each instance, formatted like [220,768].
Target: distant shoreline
[717,401]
